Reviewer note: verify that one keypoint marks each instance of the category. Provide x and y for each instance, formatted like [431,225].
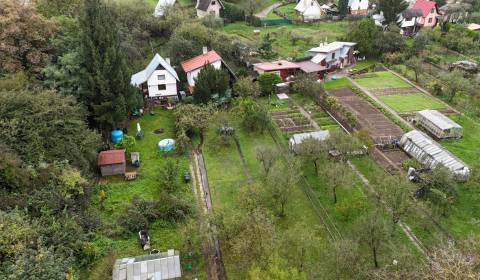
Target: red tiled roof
[276,65]
[200,61]
[111,157]
[425,5]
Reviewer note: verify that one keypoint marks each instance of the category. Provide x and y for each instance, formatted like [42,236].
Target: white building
[297,139]
[358,7]
[158,80]
[160,266]
[333,55]
[162,6]
[309,9]
[192,67]
[429,153]
[209,7]
[438,124]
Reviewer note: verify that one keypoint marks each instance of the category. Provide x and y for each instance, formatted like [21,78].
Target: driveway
[267,10]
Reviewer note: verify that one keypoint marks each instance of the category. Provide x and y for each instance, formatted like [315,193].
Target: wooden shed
[112,162]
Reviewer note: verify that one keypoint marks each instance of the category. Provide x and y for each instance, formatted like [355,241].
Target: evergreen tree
[391,9]
[343,7]
[106,91]
[266,50]
[210,82]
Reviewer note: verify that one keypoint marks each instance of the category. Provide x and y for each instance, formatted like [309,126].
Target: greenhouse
[428,152]
[438,124]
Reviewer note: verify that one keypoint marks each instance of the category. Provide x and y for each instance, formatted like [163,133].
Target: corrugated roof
[321,135]
[438,119]
[276,65]
[143,76]
[332,47]
[156,267]
[200,61]
[111,157]
[430,153]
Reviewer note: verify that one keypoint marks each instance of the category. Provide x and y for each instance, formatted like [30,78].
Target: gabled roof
[304,5]
[439,119]
[200,61]
[204,4]
[161,5]
[425,5]
[111,157]
[411,13]
[143,76]
[276,65]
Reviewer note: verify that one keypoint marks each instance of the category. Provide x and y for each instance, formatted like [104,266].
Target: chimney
[167,60]
[205,50]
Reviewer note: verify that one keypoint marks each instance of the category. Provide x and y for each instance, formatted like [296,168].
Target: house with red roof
[282,68]
[429,10]
[112,162]
[193,66]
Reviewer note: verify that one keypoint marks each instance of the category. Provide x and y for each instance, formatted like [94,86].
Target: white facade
[358,6]
[334,53]
[213,8]
[159,79]
[192,75]
[309,9]
[162,6]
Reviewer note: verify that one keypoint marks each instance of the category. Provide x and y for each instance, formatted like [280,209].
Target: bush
[139,214]
[267,81]
[232,13]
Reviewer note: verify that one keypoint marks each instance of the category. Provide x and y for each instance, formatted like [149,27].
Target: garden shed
[297,139]
[112,162]
[438,124]
[165,265]
[429,153]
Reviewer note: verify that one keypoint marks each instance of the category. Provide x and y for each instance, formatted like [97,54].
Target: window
[333,55]
[430,20]
[162,87]
[432,10]
[161,77]
[213,2]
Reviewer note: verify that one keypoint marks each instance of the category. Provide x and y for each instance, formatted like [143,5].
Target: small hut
[438,124]
[112,162]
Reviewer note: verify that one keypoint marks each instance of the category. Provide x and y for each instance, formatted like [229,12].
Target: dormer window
[432,10]
[161,77]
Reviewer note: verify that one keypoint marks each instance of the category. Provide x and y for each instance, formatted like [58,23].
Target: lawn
[411,102]
[119,193]
[288,10]
[290,40]
[363,64]
[384,79]
[340,83]
[467,148]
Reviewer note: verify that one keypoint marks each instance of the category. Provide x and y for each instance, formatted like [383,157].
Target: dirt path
[214,266]
[267,10]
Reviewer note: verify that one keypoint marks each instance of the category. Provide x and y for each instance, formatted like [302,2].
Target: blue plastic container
[166,145]
[117,135]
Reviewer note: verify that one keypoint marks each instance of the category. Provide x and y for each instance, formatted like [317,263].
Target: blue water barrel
[166,145]
[117,135]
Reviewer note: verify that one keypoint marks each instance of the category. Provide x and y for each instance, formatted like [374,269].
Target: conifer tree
[210,82]
[343,7]
[106,91]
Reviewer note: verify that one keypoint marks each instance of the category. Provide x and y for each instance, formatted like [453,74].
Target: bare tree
[267,156]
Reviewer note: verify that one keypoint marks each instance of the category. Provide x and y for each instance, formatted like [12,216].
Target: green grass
[311,35]
[382,79]
[411,102]
[288,10]
[467,148]
[119,194]
[340,83]
[360,65]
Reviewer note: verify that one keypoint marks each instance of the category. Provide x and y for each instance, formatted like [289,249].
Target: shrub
[232,13]
[139,214]
[267,81]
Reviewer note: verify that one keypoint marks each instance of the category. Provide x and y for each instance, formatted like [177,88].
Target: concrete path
[383,105]
[267,10]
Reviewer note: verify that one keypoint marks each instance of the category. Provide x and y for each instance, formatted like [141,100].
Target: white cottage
[209,7]
[333,55]
[158,80]
[358,7]
[309,9]
[162,6]
[192,67]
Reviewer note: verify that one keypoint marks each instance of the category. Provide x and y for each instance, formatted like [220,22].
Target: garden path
[267,10]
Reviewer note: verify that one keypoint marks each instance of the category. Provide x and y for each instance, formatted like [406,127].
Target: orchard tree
[191,119]
[281,180]
[209,83]
[337,175]
[365,33]
[372,233]
[254,116]
[396,196]
[106,89]
[169,175]
[391,9]
[309,85]
[456,84]
[267,156]
[25,37]
[313,150]
[245,87]
[266,49]
[415,64]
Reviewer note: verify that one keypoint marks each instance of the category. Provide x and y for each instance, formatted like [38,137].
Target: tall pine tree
[391,9]
[106,91]
[210,82]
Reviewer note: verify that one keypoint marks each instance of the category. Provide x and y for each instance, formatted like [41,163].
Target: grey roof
[321,135]
[203,4]
[439,119]
[410,13]
[142,76]
[153,267]
[331,47]
[430,153]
